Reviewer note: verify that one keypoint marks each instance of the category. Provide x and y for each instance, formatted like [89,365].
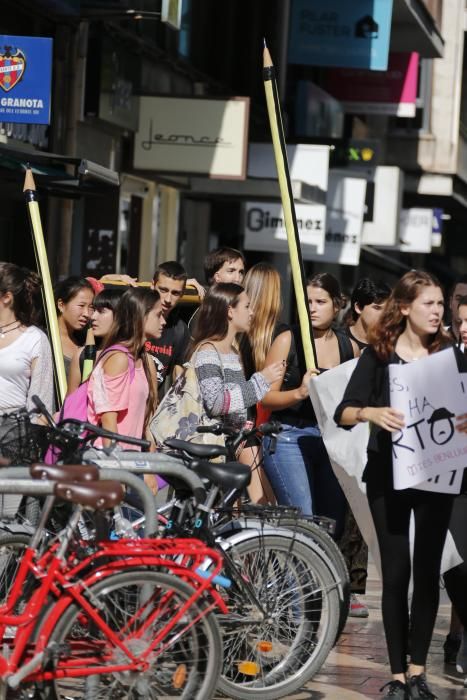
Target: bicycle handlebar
[236,437]
[84,426]
[41,407]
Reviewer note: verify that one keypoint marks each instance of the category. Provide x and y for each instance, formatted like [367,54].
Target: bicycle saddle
[65,472]
[203,451]
[95,495]
[230,475]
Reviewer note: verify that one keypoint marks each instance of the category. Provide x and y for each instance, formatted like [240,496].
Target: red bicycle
[131,619]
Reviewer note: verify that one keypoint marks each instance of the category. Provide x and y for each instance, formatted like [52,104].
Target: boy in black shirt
[168,351]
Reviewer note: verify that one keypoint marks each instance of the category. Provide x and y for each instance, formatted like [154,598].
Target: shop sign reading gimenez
[265,228]
[193,136]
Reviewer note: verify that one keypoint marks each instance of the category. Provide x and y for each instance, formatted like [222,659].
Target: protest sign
[428,452]
[346,448]
[347,453]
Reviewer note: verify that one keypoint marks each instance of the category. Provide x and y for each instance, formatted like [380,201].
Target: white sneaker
[357,608]
[461,662]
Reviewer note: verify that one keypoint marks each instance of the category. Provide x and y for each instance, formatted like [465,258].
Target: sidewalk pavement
[358,667]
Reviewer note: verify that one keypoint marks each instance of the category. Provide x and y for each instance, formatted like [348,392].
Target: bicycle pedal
[27,694]
[52,653]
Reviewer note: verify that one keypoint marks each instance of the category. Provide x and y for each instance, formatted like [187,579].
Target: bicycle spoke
[267,652]
[175,667]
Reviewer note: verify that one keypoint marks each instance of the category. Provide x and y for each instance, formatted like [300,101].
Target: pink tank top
[119,393]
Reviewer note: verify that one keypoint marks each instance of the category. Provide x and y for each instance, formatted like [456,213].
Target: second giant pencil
[288,205]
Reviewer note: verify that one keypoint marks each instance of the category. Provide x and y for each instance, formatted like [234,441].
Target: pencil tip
[29,183]
[267,60]
[265,46]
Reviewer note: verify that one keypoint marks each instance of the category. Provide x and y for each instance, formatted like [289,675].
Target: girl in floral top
[224,313]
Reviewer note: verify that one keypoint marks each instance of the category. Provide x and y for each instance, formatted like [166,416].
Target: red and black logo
[12,67]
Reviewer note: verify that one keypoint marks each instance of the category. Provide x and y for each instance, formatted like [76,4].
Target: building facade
[372,167]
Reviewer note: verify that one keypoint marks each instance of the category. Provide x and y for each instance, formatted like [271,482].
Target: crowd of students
[250,365]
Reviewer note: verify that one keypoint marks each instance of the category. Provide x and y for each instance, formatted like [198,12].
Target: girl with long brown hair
[122,388]
[299,468]
[25,357]
[224,313]
[409,328]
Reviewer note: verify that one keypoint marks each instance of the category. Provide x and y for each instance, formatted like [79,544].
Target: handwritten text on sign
[430,393]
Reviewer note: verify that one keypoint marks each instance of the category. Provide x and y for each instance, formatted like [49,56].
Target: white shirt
[16,365]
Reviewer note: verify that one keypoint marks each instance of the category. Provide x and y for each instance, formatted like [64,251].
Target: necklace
[3,332]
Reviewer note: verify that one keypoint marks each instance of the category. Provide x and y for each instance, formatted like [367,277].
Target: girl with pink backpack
[122,389]
[121,392]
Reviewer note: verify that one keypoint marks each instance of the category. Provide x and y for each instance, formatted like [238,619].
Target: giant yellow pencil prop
[89,355]
[290,219]
[29,190]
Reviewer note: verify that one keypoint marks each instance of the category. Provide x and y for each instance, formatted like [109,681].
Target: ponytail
[24,285]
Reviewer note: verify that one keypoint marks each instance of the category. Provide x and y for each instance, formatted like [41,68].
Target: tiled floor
[357,668]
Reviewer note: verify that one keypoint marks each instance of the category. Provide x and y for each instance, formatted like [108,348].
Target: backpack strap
[208,342]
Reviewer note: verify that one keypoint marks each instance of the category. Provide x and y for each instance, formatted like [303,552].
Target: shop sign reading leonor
[265,228]
[193,136]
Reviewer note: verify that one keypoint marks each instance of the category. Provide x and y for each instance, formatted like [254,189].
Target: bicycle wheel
[332,551]
[274,656]
[11,551]
[186,664]
[323,545]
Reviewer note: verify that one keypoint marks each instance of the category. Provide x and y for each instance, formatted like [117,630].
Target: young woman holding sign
[299,468]
[410,328]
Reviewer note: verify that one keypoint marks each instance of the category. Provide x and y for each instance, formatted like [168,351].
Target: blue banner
[346,33]
[25,79]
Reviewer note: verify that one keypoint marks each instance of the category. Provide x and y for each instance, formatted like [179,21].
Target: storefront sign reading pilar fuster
[25,79]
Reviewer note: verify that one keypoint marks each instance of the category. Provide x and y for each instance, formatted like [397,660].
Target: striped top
[224,389]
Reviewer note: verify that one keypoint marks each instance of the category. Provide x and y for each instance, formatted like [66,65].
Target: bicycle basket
[21,441]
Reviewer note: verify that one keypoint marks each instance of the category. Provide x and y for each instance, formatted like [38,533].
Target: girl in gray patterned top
[224,313]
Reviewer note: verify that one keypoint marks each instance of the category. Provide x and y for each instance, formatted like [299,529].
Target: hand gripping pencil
[290,219]
[89,355]
[29,190]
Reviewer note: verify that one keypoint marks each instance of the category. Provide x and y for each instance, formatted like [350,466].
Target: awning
[62,176]
[256,189]
[414,29]
[383,261]
[308,168]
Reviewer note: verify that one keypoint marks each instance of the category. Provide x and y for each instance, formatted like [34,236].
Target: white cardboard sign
[346,448]
[429,453]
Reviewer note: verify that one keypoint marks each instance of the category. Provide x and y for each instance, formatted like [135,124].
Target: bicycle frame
[56,576]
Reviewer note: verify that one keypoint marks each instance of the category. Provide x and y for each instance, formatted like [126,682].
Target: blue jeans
[301,474]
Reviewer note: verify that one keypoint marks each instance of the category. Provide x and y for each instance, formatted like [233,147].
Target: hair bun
[32,282]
